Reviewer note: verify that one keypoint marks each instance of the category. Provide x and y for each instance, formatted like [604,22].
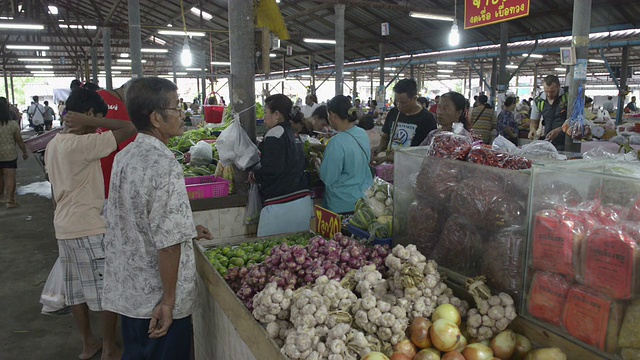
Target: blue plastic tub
[361,234]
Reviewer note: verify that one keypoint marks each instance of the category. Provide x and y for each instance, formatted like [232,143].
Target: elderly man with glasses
[150,277]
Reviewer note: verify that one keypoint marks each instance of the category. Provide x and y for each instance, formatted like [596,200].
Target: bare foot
[90,350]
[115,354]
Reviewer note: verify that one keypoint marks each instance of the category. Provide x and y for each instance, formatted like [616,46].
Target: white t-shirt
[308,110]
[73,165]
[37,112]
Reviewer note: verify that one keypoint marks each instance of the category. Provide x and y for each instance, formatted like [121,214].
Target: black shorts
[13,164]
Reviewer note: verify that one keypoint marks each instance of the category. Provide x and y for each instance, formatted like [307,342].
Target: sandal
[12,204]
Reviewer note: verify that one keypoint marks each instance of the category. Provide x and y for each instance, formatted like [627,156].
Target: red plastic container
[213,113]
[206,187]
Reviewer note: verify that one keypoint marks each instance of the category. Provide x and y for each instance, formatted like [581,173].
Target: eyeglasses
[174,108]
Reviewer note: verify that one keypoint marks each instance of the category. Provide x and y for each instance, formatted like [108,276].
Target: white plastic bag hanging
[235,146]
[201,154]
[53,294]
[254,206]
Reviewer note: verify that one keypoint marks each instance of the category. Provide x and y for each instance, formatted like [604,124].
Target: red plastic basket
[206,187]
[213,113]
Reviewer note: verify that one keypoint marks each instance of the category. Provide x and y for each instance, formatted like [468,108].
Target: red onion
[317,272]
[330,273]
[333,256]
[309,279]
[344,256]
[381,251]
[355,251]
[344,241]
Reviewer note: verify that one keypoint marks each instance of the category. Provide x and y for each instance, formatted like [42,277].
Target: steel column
[94,64]
[106,44]
[339,28]
[135,40]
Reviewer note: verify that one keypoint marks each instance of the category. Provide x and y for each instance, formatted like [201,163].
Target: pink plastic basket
[206,187]
[40,142]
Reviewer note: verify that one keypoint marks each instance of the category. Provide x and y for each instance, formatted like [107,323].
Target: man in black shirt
[408,124]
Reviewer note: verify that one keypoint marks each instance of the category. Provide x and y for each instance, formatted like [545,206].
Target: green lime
[222,271]
[224,262]
[236,261]
[225,250]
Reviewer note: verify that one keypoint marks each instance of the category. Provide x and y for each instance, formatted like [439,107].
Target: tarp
[60,95]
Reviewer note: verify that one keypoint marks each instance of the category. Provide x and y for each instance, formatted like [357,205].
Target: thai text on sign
[327,223]
[486,12]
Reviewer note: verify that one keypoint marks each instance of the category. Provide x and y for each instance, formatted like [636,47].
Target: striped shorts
[82,261]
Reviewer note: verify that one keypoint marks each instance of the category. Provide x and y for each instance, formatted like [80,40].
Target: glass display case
[470,218]
[583,259]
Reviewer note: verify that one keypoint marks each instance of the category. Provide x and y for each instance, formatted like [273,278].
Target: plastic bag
[460,247]
[539,149]
[235,146]
[201,154]
[598,152]
[450,146]
[503,261]
[53,293]
[503,144]
[254,206]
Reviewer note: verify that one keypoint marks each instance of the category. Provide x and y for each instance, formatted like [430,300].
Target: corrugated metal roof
[304,18]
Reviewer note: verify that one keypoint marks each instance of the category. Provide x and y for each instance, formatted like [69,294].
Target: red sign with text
[486,12]
[327,223]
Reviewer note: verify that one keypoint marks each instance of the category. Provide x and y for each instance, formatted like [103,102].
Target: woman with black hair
[507,125]
[483,119]
[345,169]
[283,185]
[320,119]
[9,138]
[73,164]
[452,116]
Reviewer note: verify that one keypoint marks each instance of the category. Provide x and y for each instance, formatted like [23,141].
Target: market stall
[461,216]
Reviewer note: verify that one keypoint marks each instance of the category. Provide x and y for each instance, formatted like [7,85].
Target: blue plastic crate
[361,234]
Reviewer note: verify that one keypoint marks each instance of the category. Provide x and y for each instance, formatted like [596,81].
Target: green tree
[18,87]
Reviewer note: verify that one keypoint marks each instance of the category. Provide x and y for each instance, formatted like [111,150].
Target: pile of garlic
[417,280]
[379,318]
[491,316]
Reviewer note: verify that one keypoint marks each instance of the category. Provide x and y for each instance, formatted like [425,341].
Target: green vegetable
[236,261]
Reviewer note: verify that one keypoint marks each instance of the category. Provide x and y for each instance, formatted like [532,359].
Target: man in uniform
[551,105]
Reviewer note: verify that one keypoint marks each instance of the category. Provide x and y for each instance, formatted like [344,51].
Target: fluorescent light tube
[422,15]
[319,41]
[11,25]
[180,33]
[27,47]
[34,59]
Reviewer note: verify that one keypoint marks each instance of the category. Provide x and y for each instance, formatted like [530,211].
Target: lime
[237,261]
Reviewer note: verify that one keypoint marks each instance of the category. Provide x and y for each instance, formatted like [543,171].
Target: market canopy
[71,27]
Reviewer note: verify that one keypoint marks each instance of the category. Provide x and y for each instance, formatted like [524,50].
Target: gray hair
[146,95]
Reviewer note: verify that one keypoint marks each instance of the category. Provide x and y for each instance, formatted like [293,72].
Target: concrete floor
[28,250]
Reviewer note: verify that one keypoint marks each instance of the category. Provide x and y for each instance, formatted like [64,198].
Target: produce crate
[223,327]
[583,258]
[361,234]
[40,142]
[207,187]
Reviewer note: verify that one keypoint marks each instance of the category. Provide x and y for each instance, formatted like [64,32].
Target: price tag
[327,223]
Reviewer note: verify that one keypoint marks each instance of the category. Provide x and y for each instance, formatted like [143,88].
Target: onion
[333,256]
[400,356]
[344,256]
[462,343]
[354,263]
[447,312]
[330,273]
[344,242]
[523,347]
[321,241]
[405,347]
[547,354]
[444,335]
[504,344]
[309,279]
[427,354]
[477,351]
[420,337]
[374,355]
[453,355]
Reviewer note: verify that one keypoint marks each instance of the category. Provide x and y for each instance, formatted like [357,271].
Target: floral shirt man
[148,209]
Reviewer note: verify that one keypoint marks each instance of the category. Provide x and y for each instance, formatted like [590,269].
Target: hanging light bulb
[454,35]
[185,56]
